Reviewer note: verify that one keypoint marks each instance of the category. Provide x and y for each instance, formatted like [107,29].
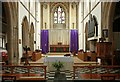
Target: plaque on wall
[19,41]
[105,33]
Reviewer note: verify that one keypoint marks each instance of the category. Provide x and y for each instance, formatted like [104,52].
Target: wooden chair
[82,56]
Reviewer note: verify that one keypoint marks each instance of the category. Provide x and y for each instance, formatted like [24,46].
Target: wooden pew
[12,67]
[103,76]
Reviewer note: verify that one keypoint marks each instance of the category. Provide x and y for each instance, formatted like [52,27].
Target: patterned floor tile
[69,74]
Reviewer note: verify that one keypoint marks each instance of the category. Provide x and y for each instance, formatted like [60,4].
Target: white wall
[81,44]
[86,8]
[46,16]
[38,25]
[97,13]
[72,15]
[84,14]
[32,10]
[81,25]
[22,13]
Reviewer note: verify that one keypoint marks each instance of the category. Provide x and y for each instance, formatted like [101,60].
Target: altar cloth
[67,62]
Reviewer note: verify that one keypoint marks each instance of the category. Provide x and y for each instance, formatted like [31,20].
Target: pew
[104,76]
[21,76]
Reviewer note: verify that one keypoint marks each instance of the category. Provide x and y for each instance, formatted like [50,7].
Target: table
[67,62]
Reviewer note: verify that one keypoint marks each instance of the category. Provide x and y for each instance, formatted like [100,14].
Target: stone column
[81,25]
[70,23]
[10,42]
[48,24]
[38,25]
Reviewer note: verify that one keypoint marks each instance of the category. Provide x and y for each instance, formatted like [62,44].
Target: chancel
[66,40]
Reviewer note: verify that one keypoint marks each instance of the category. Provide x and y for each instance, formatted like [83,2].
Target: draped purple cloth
[74,41]
[44,41]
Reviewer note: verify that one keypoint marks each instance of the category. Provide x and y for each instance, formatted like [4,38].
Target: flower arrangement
[58,65]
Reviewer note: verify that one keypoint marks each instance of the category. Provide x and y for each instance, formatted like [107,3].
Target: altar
[59,48]
[66,60]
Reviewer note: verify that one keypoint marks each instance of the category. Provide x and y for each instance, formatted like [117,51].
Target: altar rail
[108,72]
[23,71]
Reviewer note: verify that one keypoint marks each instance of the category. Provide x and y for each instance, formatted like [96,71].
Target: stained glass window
[59,15]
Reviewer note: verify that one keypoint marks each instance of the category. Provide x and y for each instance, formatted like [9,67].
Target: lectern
[104,52]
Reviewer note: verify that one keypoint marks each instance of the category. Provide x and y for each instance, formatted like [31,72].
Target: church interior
[51,41]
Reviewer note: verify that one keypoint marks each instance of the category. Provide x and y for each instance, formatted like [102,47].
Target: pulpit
[104,52]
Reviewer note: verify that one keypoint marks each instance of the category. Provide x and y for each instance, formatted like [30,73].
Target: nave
[60,40]
[84,70]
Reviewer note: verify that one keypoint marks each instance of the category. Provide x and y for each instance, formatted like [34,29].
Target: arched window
[59,15]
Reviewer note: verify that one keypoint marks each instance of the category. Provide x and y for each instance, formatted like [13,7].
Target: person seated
[4,56]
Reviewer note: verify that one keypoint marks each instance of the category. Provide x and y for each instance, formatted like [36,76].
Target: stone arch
[109,9]
[110,17]
[96,24]
[113,24]
[58,4]
[53,7]
[110,20]
[31,36]
[106,8]
[11,31]
[25,32]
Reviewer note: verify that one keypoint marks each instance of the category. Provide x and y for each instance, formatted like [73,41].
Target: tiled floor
[85,73]
[51,74]
[81,73]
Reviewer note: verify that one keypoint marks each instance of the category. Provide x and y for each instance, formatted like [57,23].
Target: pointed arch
[96,25]
[31,36]
[113,24]
[86,36]
[25,32]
